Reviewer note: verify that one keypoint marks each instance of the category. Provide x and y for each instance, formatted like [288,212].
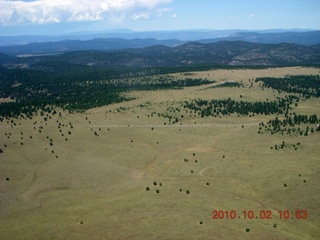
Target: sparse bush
[155,183]
[207,184]
[247,229]
[187,191]
[200,222]
[285,185]
[157,191]
[147,189]
[180,190]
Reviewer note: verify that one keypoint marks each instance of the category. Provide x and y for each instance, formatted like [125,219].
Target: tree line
[33,90]
[306,85]
[215,107]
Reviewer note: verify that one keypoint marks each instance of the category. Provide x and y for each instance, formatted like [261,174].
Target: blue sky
[63,16]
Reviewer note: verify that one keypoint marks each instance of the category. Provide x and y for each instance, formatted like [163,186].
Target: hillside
[35,44]
[215,154]
[301,38]
[101,44]
[223,53]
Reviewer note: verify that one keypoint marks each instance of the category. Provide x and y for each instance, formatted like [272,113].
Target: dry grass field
[84,175]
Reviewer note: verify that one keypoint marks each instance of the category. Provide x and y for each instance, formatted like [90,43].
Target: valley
[184,155]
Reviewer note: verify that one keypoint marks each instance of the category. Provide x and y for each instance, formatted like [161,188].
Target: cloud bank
[57,11]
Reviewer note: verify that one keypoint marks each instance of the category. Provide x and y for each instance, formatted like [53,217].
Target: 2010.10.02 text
[262,214]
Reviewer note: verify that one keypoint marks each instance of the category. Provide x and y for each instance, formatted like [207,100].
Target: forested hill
[223,53]
[99,44]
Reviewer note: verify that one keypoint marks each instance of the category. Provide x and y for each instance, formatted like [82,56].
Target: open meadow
[158,167]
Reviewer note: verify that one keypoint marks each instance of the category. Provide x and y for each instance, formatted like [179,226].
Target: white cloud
[53,11]
[174,16]
[143,15]
[162,10]
[251,16]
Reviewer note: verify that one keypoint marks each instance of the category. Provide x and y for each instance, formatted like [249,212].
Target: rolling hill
[224,53]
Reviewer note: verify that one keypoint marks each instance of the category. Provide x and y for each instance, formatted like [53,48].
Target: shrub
[247,229]
[147,189]
[155,183]
[157,191]
[187,191]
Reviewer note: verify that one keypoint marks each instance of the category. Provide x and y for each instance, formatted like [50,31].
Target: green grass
[96,188]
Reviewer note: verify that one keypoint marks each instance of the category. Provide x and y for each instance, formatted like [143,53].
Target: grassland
[84,175]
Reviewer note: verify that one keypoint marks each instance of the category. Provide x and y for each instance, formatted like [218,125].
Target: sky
[56,17]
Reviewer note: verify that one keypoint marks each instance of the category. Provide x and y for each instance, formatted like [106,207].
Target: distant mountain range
[101,44]
[223,53]
[39,45]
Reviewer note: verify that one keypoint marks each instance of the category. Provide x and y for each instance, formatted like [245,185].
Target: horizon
[34,17]
[130,31]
